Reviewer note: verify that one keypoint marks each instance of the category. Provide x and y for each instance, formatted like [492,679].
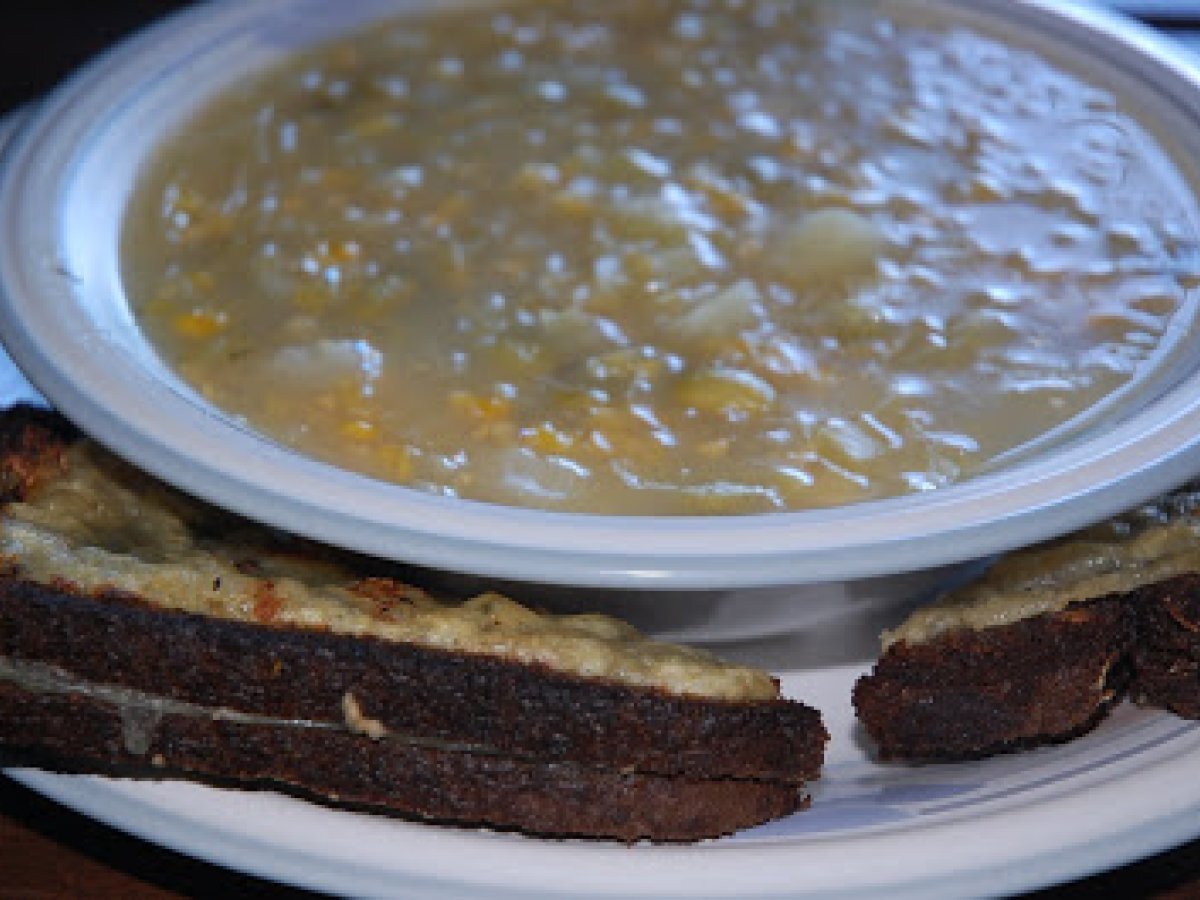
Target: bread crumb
[359,723]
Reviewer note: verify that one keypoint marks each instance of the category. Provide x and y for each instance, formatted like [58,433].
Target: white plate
[998,826]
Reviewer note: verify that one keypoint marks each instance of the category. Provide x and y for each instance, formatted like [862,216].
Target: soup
[663,256]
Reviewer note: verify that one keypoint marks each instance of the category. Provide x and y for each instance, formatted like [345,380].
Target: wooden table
[47,851]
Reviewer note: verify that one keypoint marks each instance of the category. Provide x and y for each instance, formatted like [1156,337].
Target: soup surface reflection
[663,256]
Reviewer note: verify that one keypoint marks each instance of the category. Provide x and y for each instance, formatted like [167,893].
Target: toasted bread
[1044,643]
[145,633]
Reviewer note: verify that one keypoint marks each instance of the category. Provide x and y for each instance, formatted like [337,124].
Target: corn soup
[663,256]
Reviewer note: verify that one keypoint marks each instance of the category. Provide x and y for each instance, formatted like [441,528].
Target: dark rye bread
[442,784]
[105,680]
[467,699]
[968,692]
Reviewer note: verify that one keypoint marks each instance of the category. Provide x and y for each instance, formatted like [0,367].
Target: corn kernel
[513,267]
[203,281]
[396,460]
[358,430]
[727,201]
[546,438]
[344,251]
[375,126]
[199,324]
[310,298]
[716,503]
[161,304]
[573,205]
[500,432]
[536,176]
[639,264]
[188,201]
[489,408]
[714,449]
[207,228]
[449,210]
[726,391]
[516,358]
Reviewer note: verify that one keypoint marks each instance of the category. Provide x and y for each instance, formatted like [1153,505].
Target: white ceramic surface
[64,319]
[994,827]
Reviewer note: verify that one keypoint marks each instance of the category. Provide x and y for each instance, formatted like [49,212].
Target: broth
[670,257]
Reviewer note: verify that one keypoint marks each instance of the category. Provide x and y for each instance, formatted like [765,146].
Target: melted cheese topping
[103,526]
[1149,545]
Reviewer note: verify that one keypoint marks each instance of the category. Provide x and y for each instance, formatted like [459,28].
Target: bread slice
[1043,644]
[144,633]
[968,693]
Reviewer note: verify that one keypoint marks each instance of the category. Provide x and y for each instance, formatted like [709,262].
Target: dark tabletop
[47,851]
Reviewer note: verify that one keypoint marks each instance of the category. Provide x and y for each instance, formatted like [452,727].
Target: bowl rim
[139,411]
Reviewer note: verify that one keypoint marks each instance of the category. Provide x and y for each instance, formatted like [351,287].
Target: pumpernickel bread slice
[1043,644]
[969,693]
[142,632]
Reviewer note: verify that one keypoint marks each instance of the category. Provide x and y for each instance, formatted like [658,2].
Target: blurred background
[49,38]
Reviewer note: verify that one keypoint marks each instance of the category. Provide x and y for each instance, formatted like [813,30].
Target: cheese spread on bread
[102,526]
[1158,541]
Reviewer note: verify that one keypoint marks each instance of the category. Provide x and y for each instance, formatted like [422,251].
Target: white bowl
[64,318]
